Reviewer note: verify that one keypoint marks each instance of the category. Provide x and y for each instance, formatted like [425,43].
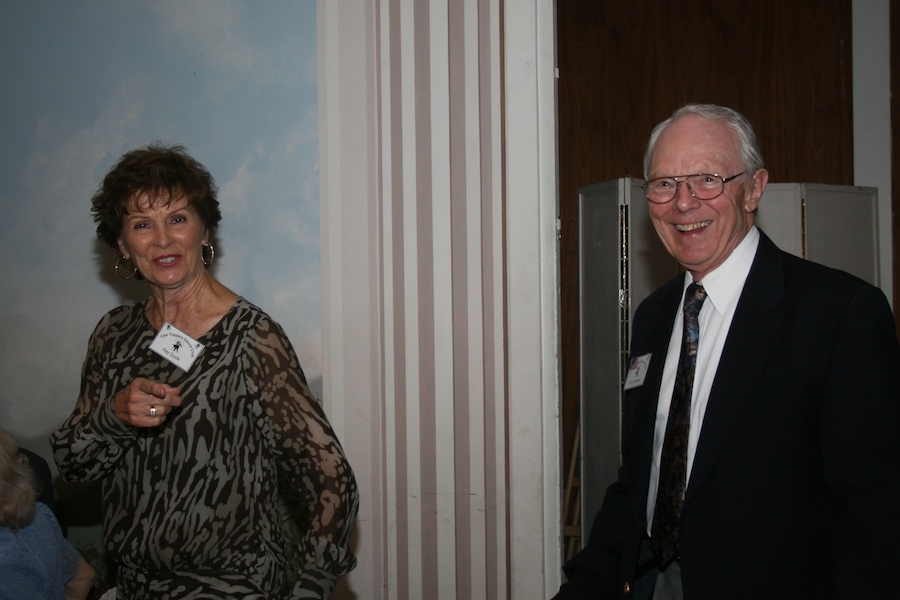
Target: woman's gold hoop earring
[212,254]
[122,260]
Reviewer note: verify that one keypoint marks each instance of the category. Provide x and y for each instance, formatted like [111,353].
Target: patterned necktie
[673,461]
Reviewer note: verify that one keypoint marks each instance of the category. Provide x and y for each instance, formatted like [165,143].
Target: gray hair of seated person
[17,485]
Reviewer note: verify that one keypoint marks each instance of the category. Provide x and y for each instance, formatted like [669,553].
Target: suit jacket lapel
[756,327]
[646,403]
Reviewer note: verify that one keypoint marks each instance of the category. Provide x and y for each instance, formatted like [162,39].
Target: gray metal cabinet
[622,261]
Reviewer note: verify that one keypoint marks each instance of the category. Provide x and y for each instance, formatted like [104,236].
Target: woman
[36,561]
[193,408]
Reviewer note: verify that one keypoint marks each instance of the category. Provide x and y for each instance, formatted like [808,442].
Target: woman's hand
[145,403]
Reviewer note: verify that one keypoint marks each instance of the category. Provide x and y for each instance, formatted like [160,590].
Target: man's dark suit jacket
[795,487]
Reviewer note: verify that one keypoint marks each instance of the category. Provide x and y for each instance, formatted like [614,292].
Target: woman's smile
[168,260]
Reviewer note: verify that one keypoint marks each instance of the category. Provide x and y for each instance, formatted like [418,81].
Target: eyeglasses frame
[679,179]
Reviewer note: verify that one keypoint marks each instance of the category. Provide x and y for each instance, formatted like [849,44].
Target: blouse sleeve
[92,439]
[310,459]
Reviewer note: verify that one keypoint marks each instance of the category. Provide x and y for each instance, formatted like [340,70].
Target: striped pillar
[418,319]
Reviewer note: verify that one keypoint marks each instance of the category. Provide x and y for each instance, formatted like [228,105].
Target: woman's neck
[193,308]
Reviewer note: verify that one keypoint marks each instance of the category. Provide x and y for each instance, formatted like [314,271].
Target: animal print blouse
[191,509]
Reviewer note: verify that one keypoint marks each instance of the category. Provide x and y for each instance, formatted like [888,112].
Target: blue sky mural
[82,82]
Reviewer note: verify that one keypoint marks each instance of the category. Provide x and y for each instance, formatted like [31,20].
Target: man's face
[701,234]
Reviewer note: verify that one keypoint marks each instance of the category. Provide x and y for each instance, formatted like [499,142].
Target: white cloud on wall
[85,82]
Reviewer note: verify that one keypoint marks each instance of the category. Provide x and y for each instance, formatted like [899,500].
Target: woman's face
[164,240]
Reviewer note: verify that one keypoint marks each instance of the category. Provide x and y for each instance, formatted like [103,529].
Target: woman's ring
[152,411]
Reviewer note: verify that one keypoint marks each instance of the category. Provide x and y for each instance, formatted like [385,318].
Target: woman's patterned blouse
[192,508]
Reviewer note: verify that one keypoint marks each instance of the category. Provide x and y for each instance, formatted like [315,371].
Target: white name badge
[176,346]
[637,371]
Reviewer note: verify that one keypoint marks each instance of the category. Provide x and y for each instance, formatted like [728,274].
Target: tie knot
[693,298]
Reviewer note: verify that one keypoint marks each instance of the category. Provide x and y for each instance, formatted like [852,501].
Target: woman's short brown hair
[162,172]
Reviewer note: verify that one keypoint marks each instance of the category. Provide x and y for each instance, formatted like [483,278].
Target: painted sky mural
[82,82]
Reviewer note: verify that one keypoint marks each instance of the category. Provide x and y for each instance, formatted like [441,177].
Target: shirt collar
[724,283]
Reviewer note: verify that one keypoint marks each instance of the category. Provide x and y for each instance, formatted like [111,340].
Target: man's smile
[686,227]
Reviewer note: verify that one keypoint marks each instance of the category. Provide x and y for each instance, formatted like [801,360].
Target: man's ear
[758,186]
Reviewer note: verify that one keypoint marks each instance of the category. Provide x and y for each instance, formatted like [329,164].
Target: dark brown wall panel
[624,65]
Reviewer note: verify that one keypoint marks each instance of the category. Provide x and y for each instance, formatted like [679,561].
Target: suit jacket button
[627,588]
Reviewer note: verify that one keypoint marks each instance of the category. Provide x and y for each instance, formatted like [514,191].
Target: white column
[532,211]
[872,118]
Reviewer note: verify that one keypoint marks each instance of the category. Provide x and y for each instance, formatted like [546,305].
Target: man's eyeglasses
[703,186]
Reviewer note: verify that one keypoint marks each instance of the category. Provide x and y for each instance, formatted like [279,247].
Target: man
[789,444]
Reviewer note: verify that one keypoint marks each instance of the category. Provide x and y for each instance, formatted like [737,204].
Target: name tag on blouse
[176,346]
